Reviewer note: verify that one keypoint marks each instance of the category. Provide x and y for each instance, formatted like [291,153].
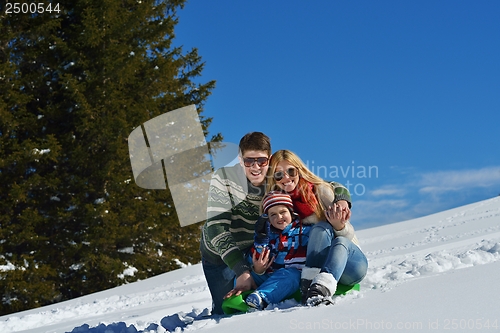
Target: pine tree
[75,81]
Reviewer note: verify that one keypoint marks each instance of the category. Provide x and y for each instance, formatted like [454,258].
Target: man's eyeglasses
[261,161]
[291,172]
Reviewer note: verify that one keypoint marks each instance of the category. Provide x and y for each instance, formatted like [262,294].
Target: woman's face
[286,176]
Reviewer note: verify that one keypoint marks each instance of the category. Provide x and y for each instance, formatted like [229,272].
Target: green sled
[236,304]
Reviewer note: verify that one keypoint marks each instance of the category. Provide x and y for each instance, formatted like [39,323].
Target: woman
[333,253]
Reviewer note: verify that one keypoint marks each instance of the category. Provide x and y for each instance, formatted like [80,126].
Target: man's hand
[338,214]
[244,282]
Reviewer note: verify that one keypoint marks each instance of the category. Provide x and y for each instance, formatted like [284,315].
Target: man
[233,207]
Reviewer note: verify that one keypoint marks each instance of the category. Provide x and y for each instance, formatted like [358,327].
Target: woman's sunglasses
[261,161]
[279,175]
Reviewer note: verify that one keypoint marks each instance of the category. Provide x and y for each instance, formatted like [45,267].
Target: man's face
[255,163]
[279,216]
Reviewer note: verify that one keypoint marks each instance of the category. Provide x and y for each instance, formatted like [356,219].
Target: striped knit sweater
[232,210]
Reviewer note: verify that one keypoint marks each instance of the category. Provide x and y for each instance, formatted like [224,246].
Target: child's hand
[262,262]
[338,214]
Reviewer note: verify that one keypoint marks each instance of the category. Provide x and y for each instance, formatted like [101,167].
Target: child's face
[279,216]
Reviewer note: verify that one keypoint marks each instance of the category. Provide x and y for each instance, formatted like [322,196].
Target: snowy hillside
[435,273]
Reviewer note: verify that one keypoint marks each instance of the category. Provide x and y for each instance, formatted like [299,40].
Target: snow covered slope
[435,273]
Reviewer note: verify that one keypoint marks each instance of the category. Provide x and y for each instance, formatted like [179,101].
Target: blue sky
[407,90]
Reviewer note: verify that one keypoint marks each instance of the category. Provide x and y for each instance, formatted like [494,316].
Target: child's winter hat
[274,198]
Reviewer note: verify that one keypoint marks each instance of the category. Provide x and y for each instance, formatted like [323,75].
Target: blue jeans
[220,280]
[279,285]
[335,255]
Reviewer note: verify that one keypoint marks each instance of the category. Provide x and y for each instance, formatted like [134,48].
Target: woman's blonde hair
[305,177]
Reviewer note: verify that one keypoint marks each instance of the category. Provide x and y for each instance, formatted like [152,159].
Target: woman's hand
[338,214]
[261,264]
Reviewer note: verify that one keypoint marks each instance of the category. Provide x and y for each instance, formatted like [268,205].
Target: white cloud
[422,194]
[446,181]
[389,190]
[369,204]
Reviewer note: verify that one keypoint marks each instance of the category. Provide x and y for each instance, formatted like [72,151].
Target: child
[279,251]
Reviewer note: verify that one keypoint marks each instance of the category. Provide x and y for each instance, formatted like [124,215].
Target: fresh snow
[436,273]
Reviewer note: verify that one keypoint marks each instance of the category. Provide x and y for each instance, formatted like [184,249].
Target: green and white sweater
[232,210]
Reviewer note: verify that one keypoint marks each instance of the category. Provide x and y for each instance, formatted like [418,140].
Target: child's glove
[262,232]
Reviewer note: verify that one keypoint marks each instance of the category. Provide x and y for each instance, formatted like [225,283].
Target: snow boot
[318,294]
[308,274]
[254,300]
[322,288]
